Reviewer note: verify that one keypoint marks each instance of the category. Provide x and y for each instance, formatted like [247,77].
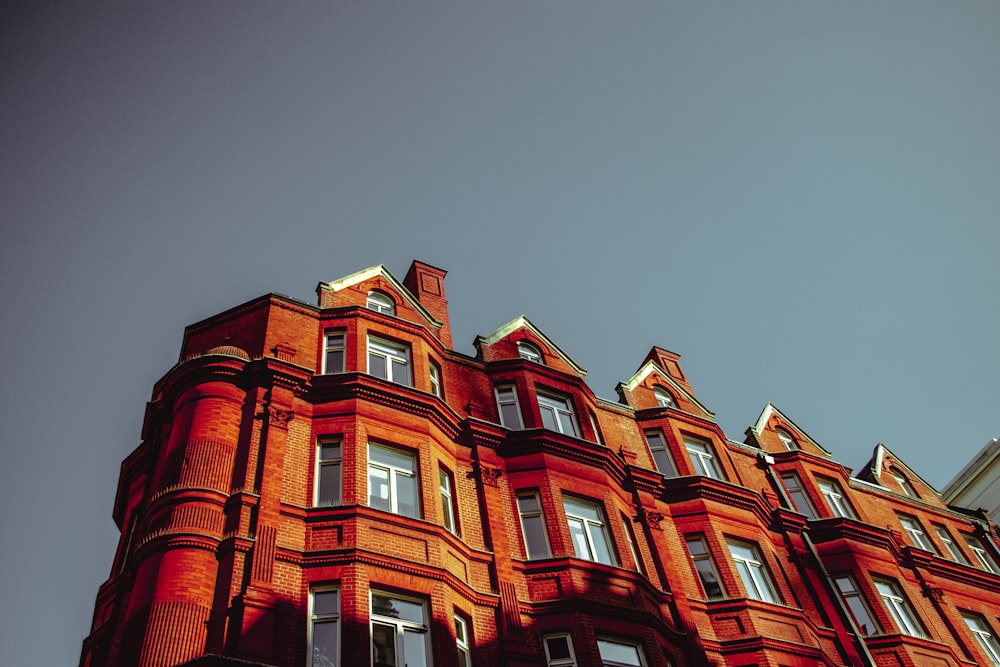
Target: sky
[801,199]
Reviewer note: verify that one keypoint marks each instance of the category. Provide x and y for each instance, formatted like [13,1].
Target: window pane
[413,648]
[325,602]
[549,418]
[709,580]
[324,644]
[534,534]
[391,457]
[623,654]
[378,489]
[527,504]
[579,539]
[329,484]
[377,366]
[510,416]
[602,552]
[663,463]
[335,361]
[406,486]
[582,510]
[384,645]
[401,372]
[567,424]
[558,647]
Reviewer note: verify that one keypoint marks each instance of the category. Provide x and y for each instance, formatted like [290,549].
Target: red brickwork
[227,523]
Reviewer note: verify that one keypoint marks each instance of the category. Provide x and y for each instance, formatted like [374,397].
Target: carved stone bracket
[279,418]
[932,592]
[489,476]
[653,519]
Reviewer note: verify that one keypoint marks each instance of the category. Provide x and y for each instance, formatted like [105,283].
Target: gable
[502,344]
[765,433]
[352,290]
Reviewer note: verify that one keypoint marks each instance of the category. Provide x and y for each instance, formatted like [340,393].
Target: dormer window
[530,352]
[904,485]
[663,399]
[787,440]
[380,303]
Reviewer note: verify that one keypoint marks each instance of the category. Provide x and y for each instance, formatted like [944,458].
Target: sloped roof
[379,270]
[523,322]
[872,469]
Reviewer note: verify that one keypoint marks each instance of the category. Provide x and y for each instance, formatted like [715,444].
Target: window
[915,533]
[400,636]
[324,627]
[787,440]
[984,635]
[559,651]
[328,465]
[597,431]
[333,352]
[435,377]
[904,485]
[448,506]
[536,542]
[510,411]
[949,544]
[529,352]
[982,555]
[462,642]
[661,455]
[616,653]
[705,568]
[834,498]
[754,574]
[381,303]
[800,501]
[702,459]
[663,398]
[630,538]
[392,481]
[586,527]
[855,602]
[557,414]
[389,361]
[899,608]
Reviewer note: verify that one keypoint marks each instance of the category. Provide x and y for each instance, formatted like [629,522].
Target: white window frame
[403,628]
[660,453]
[434,375]
[530,514]
[334,341]
[700,557]
[787,439]
[396,357]
[449,508]
[916,534]
[904,484]
[380,302]
[851,594]
[833,495]
[530,352]
[630,539]
[983,633]
[899,608]
[559,410]
[950,545]
[590,523]
[392,473]
[663,398]
[753,571]
[506,395]
[333,463]
[597,431]
[797,494]
[604,646]
[323,618]
[702,458]
[569,661]
[462,641]
[984,558]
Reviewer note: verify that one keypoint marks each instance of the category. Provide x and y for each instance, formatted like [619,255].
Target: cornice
[691,487]
[541,440]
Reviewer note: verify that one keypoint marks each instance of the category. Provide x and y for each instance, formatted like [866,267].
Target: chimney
[426,282]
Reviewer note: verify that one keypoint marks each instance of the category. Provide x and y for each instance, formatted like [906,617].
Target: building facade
[978,483]
[333,484]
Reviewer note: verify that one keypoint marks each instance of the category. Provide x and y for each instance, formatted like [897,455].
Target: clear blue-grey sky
[800,198]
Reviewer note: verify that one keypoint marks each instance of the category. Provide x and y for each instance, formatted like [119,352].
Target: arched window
[663,399]
[381,303]
[530,352]
[787,440]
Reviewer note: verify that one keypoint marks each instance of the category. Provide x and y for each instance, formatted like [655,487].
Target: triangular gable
[875,466]
[651,367]
[379,271]
[523,322]
[771,411]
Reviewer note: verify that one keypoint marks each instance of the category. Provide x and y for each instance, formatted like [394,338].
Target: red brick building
[335,485]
